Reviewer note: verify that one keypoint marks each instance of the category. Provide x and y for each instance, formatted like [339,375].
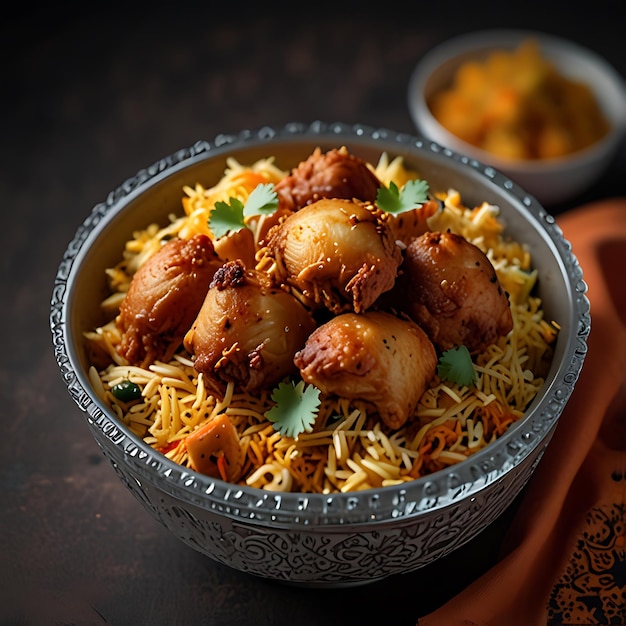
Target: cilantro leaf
[296,408]
[411,196]
[455,365]
[230,216]
[226,217]
[262,200]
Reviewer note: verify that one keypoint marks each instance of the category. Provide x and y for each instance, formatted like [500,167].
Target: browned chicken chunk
[376,356]
[338,253]
[413,223]
[238,244]
[333,174]
[214,449]
[164,298]
[247,330]
[452,291]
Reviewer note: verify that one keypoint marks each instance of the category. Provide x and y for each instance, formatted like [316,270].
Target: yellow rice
[350,449]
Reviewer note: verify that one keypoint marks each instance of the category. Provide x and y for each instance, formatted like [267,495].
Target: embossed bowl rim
[560,282]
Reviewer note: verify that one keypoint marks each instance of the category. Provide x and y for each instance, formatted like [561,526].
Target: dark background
[91,95]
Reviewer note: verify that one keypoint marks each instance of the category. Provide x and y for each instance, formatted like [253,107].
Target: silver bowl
[312,539]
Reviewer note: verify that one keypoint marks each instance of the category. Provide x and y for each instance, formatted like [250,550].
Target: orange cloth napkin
[562,559]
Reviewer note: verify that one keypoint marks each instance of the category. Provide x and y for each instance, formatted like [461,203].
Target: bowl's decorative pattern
[314,539]
[343,556]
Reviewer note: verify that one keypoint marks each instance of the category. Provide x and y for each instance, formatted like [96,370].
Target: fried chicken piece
[375,356]
[333,174]
[453,292]
[247,330]
[164,298]
[238,244]
[410,224]
[338,253]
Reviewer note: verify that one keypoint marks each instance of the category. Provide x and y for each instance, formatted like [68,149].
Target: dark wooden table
[89,98]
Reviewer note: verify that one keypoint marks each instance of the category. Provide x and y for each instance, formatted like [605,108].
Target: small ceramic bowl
[312,539]
[553,180]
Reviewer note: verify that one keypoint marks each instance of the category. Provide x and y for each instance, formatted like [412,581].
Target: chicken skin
[375,356]
[452,291]
[334,174]
[413,223]
[247,330]
[164,298]
[337,253]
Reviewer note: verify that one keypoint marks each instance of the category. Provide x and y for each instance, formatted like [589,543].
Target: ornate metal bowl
[313,539]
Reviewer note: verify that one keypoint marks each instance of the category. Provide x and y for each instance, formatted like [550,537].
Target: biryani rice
[349,449]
